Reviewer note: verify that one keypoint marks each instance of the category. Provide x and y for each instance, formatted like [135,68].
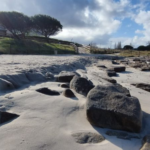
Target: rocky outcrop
[81,85]
[110,107]
[88,137]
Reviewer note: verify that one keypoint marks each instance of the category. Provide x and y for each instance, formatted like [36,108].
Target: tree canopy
[46,25]
[128,47]
[15,22]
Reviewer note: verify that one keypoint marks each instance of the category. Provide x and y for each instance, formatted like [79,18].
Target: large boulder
[109,107]
[65,76]
[81,85]
[6,85]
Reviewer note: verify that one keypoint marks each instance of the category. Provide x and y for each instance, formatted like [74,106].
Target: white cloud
[87,21]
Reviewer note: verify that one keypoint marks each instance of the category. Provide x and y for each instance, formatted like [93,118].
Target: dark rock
[145,68]
[81,85]
[122,135]
[119,68]
[6,85]
[146,143]
[68,93]
[111,73]
[65,85]
[47,91]
[136,65]
[143,86]
[88,137]
[109,107]
[66,76]
[136,59]
[5,117]
[101,66]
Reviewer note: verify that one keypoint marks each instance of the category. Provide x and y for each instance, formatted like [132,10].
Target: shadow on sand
[132,144]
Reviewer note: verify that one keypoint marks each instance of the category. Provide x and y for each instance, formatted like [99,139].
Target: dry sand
[48,122]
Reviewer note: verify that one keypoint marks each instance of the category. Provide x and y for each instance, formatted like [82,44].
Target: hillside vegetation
[29,46]
[134,53]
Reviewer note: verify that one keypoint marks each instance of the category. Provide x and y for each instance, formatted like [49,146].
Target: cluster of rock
[139,63]
[109,106]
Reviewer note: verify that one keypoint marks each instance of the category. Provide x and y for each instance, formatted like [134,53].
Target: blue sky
[104,22]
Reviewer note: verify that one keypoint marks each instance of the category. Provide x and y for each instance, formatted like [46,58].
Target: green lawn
[134,53]
[12,46]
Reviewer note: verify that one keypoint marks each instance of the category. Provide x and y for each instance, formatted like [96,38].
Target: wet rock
[81,85]
[6,85]
[68,93]
[88,137]
[146,143]
[65,76]
[109,107]
[6,116]
[47,91]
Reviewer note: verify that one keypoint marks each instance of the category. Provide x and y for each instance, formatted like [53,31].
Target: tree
[46,25]
[142,48]
[118,46]
[15,22]
[128,47]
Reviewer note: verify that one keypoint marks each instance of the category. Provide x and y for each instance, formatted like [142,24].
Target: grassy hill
[32,46]
[134,53]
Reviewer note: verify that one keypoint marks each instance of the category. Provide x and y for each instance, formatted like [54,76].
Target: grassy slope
[11,46]
[134,53]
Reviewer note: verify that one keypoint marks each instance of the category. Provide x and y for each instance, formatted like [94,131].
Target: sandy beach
[48,122]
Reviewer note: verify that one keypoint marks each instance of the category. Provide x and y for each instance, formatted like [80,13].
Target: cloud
[85,21]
